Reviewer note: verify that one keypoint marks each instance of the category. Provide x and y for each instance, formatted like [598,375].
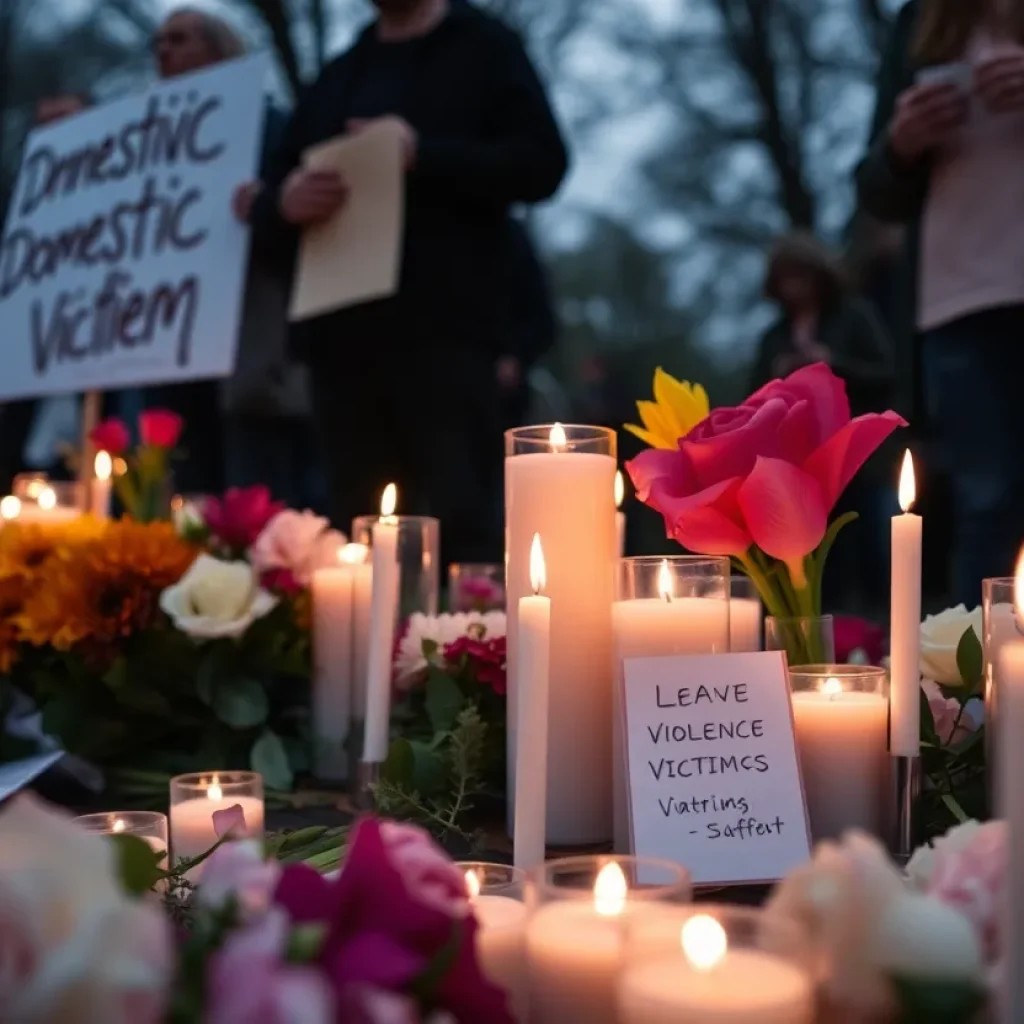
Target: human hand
[509,372]
[310,197]
[410,140]
[1000,80]
[926,116]
[243,198]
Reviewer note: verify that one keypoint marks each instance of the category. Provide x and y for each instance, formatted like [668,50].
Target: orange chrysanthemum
[12,594]
[107,588]
[26,547]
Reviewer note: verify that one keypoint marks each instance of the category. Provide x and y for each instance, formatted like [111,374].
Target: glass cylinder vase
[808,640]
[560,486]
[419,560]
[841,718]
[667,606]
[1000,625]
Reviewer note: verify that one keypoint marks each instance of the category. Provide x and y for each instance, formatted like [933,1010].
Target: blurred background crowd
[729,189]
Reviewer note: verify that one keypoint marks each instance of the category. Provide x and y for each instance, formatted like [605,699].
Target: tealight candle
[714,981]
[196,798]
[150,826]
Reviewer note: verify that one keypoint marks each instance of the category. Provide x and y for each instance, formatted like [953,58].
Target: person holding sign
[405,386]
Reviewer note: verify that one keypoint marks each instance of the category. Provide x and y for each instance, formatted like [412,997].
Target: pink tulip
[767,473]
[160,428]
[111,436]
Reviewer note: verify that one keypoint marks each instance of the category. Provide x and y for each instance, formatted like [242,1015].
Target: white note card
[714,776]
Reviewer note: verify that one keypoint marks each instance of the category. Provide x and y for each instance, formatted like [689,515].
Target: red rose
[765,473]
[111,436]
[853,634]
[160,428]
[237,519]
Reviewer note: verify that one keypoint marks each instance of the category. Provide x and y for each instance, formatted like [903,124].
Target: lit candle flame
[473,883]
[353,554]
[10,507]
[118,825]
[388,501]
[103,467]
[1018,585]
[620,489]
[704,942]
[558,440]
[666,586]
[538,567]
[908,489]
[47,498]
[832,687]
[213,791]
[610,891]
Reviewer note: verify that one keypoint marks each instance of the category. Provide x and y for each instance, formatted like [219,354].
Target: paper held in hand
[354,256]
[714,778]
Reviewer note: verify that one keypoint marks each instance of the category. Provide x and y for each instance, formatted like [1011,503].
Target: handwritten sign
[121,261]
[713,769]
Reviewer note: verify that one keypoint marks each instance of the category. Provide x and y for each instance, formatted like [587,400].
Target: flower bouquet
[391,938]
[758,483]
[450,678]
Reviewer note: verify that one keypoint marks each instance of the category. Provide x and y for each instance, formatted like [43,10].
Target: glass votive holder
[746,615]
[497,893]
[807,640]
[1000,625]
[476,587]
[37,499]
[841,717]
[196,797]
[150,826]
[666,606]
[575,938]
[419,555]
[695,965]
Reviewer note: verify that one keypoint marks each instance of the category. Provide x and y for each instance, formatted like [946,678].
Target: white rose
[922,865]
[940,637]
[73,946]
[216,599]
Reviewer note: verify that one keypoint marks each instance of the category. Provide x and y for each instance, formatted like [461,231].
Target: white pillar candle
[501,942]
[1010,804]
[712,984]
[745,618]
[905,671]
[101,485]
[620,516]
[192,831]
[333,591]
[534,635]
[574,953]
[362,607]
[384,611]
[567,497]
[841,739]
[657,627]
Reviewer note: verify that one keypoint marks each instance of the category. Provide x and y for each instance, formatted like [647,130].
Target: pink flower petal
[819,386]
[784,510]
[230,821]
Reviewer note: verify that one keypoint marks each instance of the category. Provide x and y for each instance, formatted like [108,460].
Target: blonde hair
[945,26]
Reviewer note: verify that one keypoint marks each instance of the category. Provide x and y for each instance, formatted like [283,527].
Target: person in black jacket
[405,389]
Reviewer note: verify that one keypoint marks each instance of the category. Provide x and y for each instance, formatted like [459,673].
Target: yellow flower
[677,408]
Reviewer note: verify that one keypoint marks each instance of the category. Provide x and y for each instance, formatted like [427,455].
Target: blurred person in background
[404,388]
[947,159]
[822,321]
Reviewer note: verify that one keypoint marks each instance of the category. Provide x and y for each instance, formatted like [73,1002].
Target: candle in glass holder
[620,516]
[149,826]
[841,715]
[746,616]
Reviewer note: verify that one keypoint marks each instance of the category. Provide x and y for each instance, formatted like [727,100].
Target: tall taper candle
[384,611]
[532,736]
[100,485]
[905,672]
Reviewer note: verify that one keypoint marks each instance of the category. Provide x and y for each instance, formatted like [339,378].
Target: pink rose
[972,878]
[237,519]
[250,982]
[240,871]
[297,543]
[951,723]
[230,819]
[111,436]
[765,473]
[160,428]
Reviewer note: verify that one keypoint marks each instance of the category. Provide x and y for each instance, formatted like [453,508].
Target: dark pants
[974,373]
[430,423]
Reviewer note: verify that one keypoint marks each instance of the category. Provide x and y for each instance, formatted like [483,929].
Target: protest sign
[121,262]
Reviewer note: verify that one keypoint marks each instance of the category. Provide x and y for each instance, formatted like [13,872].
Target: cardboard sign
[122,262]
[354,257]
[714,776]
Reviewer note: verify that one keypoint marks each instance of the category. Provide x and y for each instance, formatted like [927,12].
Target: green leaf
[430,776]
[820,556]
[240,703]
[116,677]
[936,1001]
[269,757]
[400,766]
[969,660]
[219,663]
[138,864]
[444,700]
